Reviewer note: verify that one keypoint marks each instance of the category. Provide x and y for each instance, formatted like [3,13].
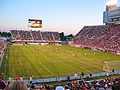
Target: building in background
[112,14]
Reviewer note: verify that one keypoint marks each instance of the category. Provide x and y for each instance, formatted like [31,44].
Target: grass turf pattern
[47,61]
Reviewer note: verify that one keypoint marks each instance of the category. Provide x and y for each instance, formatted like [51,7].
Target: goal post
[110,65]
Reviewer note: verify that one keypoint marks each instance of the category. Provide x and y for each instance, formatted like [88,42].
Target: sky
[68,16]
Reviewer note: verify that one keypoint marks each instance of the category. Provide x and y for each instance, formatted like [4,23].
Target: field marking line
[46,68]
[112,61]
[20,62]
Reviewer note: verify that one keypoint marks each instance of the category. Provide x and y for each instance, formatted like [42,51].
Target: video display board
[34,23]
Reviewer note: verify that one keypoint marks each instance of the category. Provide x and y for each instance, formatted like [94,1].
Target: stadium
[94,50]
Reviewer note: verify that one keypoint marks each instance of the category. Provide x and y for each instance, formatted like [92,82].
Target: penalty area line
[47,69]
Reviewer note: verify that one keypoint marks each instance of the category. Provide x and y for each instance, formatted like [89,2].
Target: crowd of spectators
[102,84]
[56,36]
[105,37]
[2,45]
[48,36]
[34,35]
[25,35]
[15,34]
[2,48]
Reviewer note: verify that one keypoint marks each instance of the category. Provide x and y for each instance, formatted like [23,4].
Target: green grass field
[43,61]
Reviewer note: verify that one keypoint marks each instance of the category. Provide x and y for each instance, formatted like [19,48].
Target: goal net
[109,65]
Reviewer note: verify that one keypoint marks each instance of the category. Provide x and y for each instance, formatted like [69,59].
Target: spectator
[113,71]
[107,74]
[16,78]
[102,88]
[32,86]
[2,84]
[18,85]
[90,75]
[21,78]
[106,84]
[59,88]
[31,80]
[92,88]
[9,80]
[82,74]
[75,76]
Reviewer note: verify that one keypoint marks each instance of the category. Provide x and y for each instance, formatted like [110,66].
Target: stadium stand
[34,35]
[2,48]
[25,35]
[102,84]
[2,45]
[104,37]
[15,35]
[56,36]
[47,36]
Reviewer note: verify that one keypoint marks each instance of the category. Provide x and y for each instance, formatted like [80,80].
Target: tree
[70,35]
[5,34]
[62,36]
[8,34]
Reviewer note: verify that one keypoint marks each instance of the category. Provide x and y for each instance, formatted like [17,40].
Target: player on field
[56,50]
[82,74]
[30,80]
[75,55]
[6,57]
[75,76]
[58,77]
[21,78]
[2,84]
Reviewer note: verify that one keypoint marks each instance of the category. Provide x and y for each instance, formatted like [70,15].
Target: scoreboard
[33,23]
[112,16]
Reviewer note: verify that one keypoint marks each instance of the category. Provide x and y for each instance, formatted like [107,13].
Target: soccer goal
[109,65]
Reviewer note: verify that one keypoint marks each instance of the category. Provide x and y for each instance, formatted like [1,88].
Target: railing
[46,80]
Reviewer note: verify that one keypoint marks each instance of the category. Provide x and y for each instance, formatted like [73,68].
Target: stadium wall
[68,78]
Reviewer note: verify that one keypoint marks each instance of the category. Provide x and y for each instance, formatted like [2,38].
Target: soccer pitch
[47,61]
